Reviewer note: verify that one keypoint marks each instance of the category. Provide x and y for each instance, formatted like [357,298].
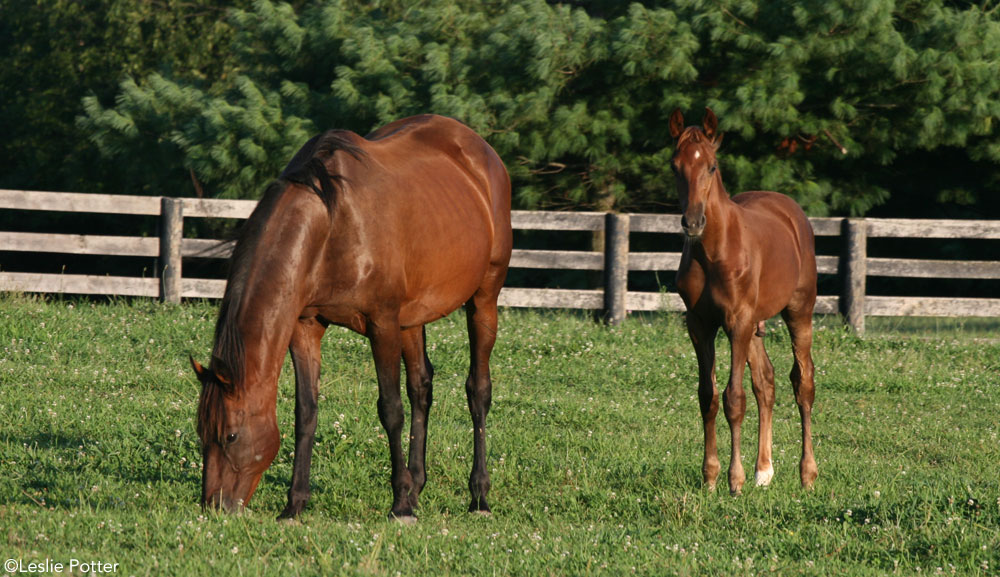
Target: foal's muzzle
[693,227]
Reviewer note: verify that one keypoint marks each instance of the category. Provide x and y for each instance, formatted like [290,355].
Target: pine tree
[838,103]
[57,52]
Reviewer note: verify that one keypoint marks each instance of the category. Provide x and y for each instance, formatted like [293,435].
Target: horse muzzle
[694,226]
[220,502]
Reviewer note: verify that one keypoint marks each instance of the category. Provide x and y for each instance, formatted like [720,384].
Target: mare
[381,235]
[745,259]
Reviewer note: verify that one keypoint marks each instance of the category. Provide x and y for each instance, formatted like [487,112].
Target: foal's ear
[710,123]
[676,123]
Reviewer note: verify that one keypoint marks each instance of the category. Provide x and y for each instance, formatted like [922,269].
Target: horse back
[424,215]
[773,206]
[428,150]
[437,168]
[783,238]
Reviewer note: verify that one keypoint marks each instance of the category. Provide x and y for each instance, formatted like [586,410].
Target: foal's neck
[719,220]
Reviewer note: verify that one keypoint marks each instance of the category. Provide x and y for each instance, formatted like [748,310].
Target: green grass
[595,453]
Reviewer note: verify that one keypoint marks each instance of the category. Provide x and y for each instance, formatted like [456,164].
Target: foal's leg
[305,349]
[734,399]
[800,328]
[387,346]
[419,373]
[703,338]
[762,376]
[481,311]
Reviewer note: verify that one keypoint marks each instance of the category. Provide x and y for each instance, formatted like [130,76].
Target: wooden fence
[850,263]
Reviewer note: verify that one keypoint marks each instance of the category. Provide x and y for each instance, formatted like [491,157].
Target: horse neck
[267,330]
[269,288]
[721,220]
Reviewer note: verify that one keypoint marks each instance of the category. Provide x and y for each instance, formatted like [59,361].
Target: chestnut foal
[745,260]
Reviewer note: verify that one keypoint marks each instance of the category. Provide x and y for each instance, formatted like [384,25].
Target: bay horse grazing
[745,260]
[381,235]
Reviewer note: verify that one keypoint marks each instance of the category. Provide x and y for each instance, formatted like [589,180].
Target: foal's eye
[713,168]
[231,438]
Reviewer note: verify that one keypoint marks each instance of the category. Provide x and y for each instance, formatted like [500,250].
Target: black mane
[309,164]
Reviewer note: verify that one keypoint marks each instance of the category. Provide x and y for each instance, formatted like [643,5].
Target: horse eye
[712,169]
[231,438]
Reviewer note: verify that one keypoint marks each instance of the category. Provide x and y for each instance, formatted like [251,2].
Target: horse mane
[211,410]
[307,168]
[693,133]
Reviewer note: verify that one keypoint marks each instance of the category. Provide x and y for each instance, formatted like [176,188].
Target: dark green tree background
[53,53]
[849,106]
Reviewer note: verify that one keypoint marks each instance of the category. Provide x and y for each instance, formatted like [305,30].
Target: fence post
[855,271]
[171,236]
[616,229]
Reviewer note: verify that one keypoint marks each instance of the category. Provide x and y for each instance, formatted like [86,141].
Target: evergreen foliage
[839,103]
[56,52]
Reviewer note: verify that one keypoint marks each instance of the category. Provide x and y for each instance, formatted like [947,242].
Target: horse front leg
[734,399]
[386,340]
[419,387]
[305,350]
[703,338]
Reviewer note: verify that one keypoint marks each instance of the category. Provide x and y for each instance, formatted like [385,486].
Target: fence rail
[851,262]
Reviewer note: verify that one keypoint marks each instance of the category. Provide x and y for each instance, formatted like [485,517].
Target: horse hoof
[404,519]
[763,478]
[808,474]
[481,513]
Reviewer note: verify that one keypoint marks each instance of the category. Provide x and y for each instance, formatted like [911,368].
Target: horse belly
[441,283]
[780,234]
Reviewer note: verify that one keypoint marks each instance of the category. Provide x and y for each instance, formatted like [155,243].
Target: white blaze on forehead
[697,154]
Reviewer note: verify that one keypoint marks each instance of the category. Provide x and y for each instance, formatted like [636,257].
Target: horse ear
[710,123]
[198,369]
[718,140]
[222,372]
[676,123]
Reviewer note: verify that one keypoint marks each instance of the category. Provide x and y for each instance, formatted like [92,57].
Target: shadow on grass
[68,472]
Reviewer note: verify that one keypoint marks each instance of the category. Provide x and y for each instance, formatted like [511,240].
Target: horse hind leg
[762,377]
[481,311]
[419,388]
[803,384]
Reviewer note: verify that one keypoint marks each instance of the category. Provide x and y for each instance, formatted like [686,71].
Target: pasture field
[595,451]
